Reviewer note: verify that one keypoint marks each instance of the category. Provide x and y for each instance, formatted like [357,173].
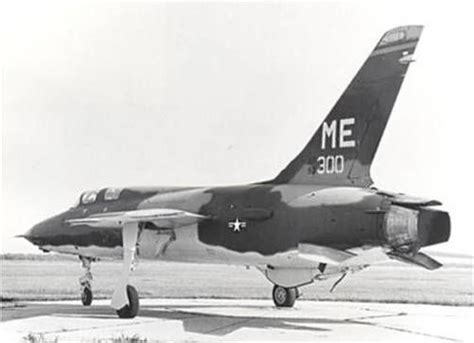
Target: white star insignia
[237,225]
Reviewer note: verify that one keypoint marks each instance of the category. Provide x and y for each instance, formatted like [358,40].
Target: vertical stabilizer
[343,148]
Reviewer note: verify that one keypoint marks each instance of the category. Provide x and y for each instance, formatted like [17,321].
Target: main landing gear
[131,309]
[85,281]
[285,297]
[125,298]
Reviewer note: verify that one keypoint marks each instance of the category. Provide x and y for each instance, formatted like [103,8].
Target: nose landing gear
[85,281]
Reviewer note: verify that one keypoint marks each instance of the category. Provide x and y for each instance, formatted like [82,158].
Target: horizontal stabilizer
[419,259]
[408,200]
[161,217]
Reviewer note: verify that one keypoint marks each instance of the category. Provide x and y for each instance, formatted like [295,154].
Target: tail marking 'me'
[343,148]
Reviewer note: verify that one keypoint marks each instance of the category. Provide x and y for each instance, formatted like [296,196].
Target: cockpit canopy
[90,197]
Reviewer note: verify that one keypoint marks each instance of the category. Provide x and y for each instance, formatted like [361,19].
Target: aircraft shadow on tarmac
[192,320]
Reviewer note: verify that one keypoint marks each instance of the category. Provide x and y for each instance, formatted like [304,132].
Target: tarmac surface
[225,319]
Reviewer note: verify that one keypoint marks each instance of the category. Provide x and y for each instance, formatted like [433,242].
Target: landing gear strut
[125,297]
[85,281]
[284,297]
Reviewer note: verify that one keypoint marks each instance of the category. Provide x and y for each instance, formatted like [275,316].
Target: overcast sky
[99,95]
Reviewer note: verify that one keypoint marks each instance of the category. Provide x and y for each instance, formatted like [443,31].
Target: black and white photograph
[236,171]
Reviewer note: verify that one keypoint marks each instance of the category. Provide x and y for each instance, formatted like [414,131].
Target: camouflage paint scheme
[321,205]
[277,219]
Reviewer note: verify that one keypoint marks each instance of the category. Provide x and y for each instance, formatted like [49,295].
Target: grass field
[393,282]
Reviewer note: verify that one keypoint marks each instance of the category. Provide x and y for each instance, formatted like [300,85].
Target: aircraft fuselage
[253,224]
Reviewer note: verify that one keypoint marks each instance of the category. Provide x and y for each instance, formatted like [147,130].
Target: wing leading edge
[162,217]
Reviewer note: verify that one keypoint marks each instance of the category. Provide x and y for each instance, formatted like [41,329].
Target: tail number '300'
[327,165]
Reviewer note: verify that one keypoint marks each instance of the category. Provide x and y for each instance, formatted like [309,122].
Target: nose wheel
[85,281]
[284,297]
[86,296]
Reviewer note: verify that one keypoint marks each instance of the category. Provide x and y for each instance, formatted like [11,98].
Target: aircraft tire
[298,293]
[130,310]
[284,297]
[86,296]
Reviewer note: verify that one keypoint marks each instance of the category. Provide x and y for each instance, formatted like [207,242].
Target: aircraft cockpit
[93,196]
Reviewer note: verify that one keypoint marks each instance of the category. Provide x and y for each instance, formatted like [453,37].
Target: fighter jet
[319,218]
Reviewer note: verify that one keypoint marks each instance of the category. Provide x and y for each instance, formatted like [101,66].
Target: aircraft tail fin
[342,149]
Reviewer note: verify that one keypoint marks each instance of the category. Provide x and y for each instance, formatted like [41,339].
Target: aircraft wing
[162,217]
[322,254]
[341,258]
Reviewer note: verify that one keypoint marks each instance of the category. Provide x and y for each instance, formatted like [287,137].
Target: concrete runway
[223,319]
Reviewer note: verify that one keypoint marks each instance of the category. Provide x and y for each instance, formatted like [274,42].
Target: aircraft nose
[43,232]
[34,234]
